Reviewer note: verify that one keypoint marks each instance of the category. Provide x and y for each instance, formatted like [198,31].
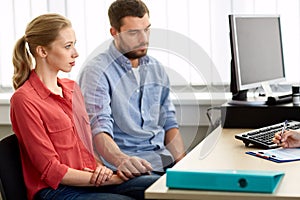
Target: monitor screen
[256,49]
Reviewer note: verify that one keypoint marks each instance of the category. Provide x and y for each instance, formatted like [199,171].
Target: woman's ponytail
[22,62]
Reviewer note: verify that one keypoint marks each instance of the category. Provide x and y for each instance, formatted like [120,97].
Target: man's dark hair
[123,8]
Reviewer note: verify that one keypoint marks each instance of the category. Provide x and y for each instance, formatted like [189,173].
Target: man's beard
[135,54]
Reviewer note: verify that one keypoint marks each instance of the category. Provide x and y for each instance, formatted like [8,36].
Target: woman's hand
[289,139]
[100,175]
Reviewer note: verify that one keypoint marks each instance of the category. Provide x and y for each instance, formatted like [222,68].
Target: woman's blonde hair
[41,31]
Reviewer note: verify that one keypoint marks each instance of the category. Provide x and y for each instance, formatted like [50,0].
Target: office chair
[12,184]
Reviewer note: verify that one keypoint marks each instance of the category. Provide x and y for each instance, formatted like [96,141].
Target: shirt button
[142,112]
[137,90]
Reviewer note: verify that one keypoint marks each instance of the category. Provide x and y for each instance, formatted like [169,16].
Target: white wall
[204,22]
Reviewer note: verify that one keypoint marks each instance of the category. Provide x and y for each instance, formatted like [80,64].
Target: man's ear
[41,51]
[113,31]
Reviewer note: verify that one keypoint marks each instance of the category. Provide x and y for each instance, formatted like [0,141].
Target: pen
[283,128]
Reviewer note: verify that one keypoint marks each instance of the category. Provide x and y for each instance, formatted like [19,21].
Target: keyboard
[262,137]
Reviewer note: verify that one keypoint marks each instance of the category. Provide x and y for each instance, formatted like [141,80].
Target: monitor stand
[241,98]
[267,88]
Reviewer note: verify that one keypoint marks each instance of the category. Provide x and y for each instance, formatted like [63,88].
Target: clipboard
[224,180]
[278,155]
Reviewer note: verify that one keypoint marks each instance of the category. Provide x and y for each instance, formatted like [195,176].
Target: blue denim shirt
[136,115]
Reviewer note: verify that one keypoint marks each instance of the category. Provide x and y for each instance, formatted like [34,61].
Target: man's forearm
[174,143]
[108,149]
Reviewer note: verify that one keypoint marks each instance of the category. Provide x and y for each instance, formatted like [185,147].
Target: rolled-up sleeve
[96,91]
[168,111]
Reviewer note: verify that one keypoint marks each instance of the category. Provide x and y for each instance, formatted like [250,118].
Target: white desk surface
[228,153]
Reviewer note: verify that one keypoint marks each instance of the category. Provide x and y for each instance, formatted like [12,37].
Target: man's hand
[131,167]
[127,167]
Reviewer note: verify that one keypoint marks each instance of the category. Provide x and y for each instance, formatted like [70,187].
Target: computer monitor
[257,53]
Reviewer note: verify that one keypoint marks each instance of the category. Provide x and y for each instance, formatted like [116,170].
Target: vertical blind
[201,22]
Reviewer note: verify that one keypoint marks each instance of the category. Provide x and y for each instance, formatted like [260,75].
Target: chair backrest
[12,184]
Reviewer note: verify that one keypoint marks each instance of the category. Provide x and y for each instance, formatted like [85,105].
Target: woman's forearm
[75,177]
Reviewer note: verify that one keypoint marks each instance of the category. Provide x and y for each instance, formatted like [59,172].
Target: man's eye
[68,46]
[133,32]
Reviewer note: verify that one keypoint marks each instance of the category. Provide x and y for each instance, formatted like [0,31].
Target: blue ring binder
[224,180]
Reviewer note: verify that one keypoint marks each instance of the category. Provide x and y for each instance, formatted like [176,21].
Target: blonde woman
[49,118]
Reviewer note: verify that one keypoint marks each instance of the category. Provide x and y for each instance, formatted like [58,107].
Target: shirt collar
[42,90]
[122,60]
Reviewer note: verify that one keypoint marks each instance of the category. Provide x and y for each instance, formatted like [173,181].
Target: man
[127,97]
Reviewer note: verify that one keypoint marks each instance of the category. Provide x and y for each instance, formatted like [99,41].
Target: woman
[49,118]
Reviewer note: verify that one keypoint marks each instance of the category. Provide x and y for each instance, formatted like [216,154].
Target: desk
[228,153]
[242,116]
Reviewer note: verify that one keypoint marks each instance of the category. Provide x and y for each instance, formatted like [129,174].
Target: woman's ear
[41,51]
